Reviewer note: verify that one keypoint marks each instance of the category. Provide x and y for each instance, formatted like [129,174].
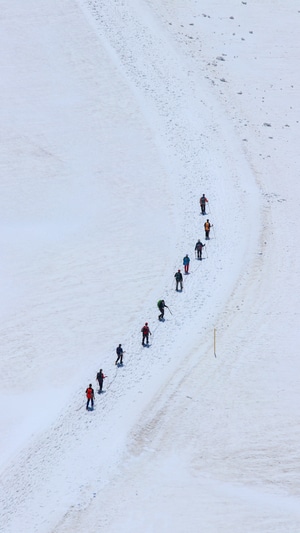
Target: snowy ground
[115,117]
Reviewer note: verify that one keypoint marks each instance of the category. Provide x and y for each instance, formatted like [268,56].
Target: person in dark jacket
[203,201]
[119,352]
[100,377]
[178,277]
[198,248]
[146,332]
[90,396]
[161,304]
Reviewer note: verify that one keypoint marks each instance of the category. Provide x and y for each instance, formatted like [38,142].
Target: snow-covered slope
[116,117]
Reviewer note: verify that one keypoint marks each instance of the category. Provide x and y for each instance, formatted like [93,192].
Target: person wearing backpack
[90,396]
[161,306]
[198,249]
[178,277]
[146,332]
[203,201]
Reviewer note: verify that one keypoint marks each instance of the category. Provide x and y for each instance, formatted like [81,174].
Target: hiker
[198,249]
[203,201]
[119,352]
[207,226]
[186,263]
[179,278]
[146,332]
[100,377]
[90,396]
[161,306]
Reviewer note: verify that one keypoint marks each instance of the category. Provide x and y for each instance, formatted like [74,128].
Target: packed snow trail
[203,498]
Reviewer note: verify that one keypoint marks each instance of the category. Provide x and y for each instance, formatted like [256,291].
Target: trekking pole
[213,231]
[208,208]
[206,252]
[170,310]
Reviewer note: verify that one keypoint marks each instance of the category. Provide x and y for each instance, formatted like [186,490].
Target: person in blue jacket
[186,263]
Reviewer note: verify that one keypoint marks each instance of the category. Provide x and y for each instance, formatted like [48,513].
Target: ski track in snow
[68,474]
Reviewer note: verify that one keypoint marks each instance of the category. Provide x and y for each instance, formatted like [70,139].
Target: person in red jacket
[203,201]
[90,396]
[146,332]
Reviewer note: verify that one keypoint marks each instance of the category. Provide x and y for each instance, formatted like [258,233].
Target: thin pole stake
[215,339]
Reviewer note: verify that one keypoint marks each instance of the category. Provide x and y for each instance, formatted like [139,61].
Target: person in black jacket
[100,377]
[198,249]
[119,352]
[179,279]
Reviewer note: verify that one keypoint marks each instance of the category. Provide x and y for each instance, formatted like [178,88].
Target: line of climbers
[161,304]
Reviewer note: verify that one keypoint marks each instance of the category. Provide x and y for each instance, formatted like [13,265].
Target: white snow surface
[116,116]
